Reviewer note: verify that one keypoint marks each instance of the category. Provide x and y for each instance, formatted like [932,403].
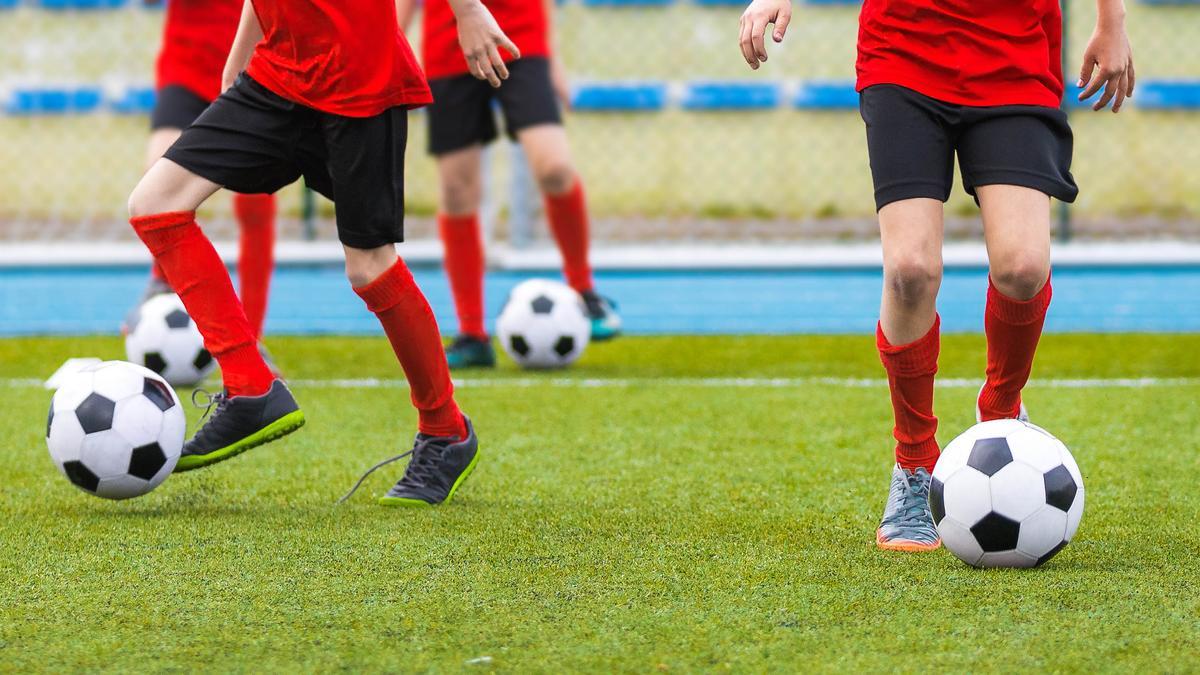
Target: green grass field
[622,519]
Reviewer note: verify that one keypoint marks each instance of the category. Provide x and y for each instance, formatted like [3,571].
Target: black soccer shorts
[176,107]
[253,141]
[912,140]
[462,115]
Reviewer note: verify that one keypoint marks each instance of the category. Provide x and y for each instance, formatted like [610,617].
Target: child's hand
[1108,63]
[481,40]
[753,26]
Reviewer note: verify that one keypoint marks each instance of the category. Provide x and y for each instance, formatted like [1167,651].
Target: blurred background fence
[678,140]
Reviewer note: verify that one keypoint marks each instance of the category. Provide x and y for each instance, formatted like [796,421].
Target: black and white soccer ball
[163,338]
[1006,493]
[544,325]
[115,430]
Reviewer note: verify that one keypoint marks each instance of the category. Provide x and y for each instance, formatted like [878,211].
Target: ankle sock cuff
[162,221]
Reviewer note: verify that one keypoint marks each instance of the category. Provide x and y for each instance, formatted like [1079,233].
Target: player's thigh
[168,187]
[1023,146]
[461,114]
[1016,227]
[160,140]
[363,173]
[911,232]
[460,176]
[910,143]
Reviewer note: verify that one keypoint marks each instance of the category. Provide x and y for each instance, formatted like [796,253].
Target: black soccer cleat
[240,423]
[602,313]
[468,351]
[438,466]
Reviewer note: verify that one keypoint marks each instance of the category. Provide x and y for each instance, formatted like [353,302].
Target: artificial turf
[657,523]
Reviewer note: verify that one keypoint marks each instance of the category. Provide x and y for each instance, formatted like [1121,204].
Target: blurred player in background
[461,122]
[982,79]
[197,35]
[319,89]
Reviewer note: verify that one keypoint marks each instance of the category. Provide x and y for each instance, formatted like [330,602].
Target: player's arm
[753,27]
[1108,59]
[249,34]
[558,72]
[481,40]
[404,12]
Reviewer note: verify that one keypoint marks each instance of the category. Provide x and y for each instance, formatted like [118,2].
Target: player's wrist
[1111,16]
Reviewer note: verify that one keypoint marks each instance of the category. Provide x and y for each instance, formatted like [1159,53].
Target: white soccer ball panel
[72,392]
[967,496]
[1018,491]
[1034,447]
[1075,515]
[65,440]
[106,454]
[174,426]
[138,420]
[1042,531]
[117,380]
[167,341]
[957,539]
[951,460]
[1007,559]
[123,487]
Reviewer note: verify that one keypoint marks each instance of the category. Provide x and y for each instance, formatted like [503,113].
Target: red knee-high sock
[197,274]
[462,239]
[1013,328]
[568,218]
[910,369]
[413,332]
[156,271]
[256,256]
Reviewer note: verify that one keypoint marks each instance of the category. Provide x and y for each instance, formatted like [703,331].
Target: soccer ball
[544,325]
[115,430]
[164,339]
[1006,494]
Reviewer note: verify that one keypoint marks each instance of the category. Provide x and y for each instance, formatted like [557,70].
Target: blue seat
[731,96]
[827,95]
[54,101]
[1168,95]
[643,97]
[135,101]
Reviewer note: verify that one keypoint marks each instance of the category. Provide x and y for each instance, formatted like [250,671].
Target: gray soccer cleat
[907,523]
[1022,413]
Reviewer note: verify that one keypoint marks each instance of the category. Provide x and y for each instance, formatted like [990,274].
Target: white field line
[707,382]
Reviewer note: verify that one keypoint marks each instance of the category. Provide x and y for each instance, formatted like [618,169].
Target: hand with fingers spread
[753,28]
[1108,59]
[481,40]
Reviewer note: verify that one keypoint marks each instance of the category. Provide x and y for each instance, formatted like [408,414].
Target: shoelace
[420,470]
[372,470]
[913,503]
[212,400]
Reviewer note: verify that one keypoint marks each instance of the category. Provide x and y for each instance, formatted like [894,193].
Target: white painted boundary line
[707,383]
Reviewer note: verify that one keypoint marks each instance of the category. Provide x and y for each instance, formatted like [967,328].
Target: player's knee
[142,202]
[366,265]
[914,281]
[461,196]
[1021,276]
[556,178]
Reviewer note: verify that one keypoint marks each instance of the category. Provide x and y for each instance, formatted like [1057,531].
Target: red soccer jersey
[966,52]
[197,35]
[524,21]
[345,57]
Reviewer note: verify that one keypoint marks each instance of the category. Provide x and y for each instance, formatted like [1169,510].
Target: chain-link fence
[676,138]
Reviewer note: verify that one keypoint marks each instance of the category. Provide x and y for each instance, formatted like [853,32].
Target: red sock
[256,257]
[1013,328]
[196,272]
[910,370]
[462,239]
[568,217]
[157,272]
[413,332]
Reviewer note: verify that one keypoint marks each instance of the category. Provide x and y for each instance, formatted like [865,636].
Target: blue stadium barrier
[827,95]
[645,97]
[81,4]
[8,4]
[1168,95]
[731,96]
[135,101]
[54,101]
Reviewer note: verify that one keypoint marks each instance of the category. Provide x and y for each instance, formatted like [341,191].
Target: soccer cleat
[240,423]
[438,466]
[1022,413]
[606,323]
[156,286]
[468,351]
[907,523]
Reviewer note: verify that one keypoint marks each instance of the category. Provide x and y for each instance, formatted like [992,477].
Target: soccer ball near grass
[164,339]
[115,430]
[544,325]
[1006,494]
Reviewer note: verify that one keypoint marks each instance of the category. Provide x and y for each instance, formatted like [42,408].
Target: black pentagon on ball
[937,502]
[564,346]
[178,319]
[519,345]
[1060,488]
[996,533]
[542,305]
[95,413]
[159,394]
[202,359]
[50,419]
[1050,554]
[146,461]
[989,455]
[81,475]
[154,361]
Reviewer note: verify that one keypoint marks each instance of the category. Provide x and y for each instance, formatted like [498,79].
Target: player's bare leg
[908,340]
[446,449]
[160,140]
[1016,226]
[255,407]
[549,156]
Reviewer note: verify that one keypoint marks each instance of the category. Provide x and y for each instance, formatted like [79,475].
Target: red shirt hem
[409,98]
[997,94]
